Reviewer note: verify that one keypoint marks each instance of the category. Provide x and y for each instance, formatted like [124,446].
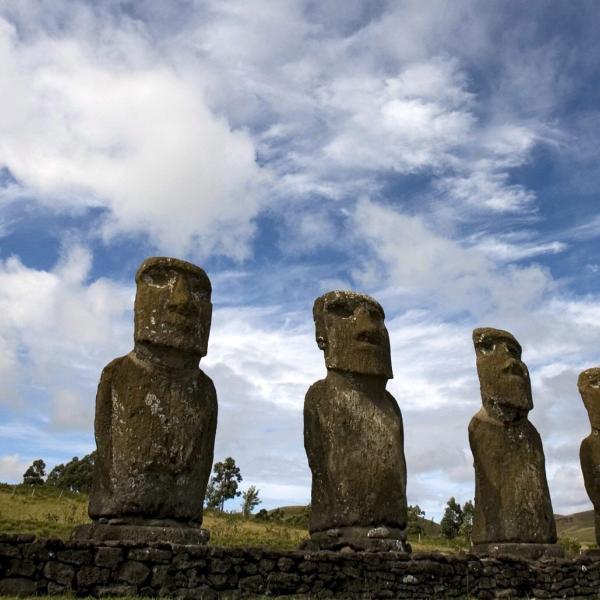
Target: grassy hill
[578,526]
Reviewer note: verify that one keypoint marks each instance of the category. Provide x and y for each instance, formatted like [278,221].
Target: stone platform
[29,567]
[361,539]
[523,550]
[142,533]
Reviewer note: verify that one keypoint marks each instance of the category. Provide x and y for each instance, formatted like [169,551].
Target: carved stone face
[172,305]
[503,376]
[350,330]
[589,388]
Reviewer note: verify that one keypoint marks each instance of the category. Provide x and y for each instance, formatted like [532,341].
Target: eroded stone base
[592,553]
[369,539]
[141,533]
[523,550]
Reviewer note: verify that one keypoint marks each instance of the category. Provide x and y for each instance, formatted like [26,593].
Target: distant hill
[579,526]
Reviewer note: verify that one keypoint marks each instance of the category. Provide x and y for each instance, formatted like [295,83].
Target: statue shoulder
[316,392]
[113,367]
[207,386]
[590,446]
[480,420]
[392,400]
[531,430]
[206,381]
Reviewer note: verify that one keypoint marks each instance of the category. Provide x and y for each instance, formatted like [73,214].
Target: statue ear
[321,342]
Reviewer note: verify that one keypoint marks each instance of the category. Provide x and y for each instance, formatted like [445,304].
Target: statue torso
[159,425]
[356,452]
[512,500]
[589,454]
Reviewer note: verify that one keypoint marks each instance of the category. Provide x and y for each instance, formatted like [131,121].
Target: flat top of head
[173,263]
[589,377]
[483,335]
[342,295]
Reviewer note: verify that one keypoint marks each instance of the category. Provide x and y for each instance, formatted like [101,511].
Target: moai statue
[353,431]
[513,511]
[156,415]
[589,453]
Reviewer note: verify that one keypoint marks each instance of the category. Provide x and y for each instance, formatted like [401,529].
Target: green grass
[47,512]
[44,511]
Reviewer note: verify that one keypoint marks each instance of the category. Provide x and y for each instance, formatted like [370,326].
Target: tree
[223,484]
[76,475]
[251,500]
[415,520]
[468,510]
[34,475]
[452,519]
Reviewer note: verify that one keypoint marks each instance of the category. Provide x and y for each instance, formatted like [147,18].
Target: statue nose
[181,293]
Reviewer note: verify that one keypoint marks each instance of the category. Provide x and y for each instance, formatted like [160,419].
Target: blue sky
[440,156]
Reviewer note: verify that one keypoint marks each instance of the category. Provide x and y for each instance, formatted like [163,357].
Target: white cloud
[424,266]
[60,326]
[88,125]
[513,247]
[12,467]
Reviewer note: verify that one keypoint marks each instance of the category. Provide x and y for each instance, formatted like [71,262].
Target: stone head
[503,376]
[350,330]
[589,388]
[172,305]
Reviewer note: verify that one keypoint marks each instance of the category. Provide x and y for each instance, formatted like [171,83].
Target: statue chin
[376,364]
[173,340]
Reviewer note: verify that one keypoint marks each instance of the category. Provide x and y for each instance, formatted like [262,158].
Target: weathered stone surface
[109,591]
[59,572]
[522,549]
[512,501]
[16,586]
[173,533]
[88,576]
[589,452]
[134,572]
[156,411]
[108,557]
[353,432]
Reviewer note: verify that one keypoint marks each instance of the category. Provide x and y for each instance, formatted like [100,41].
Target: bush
[571,546]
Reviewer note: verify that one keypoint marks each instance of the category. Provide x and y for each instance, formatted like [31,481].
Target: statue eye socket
[514,350]
[375,314]
[340,309]
[158,277]
[199,292]
[486,346]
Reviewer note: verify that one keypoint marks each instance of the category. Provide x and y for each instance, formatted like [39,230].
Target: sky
[441,156]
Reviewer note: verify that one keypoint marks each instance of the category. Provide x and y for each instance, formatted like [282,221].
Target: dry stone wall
[29,566]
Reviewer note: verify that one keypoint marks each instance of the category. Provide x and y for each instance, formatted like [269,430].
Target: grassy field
[48,512]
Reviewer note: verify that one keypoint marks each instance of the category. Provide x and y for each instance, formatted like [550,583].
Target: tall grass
[48,512]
